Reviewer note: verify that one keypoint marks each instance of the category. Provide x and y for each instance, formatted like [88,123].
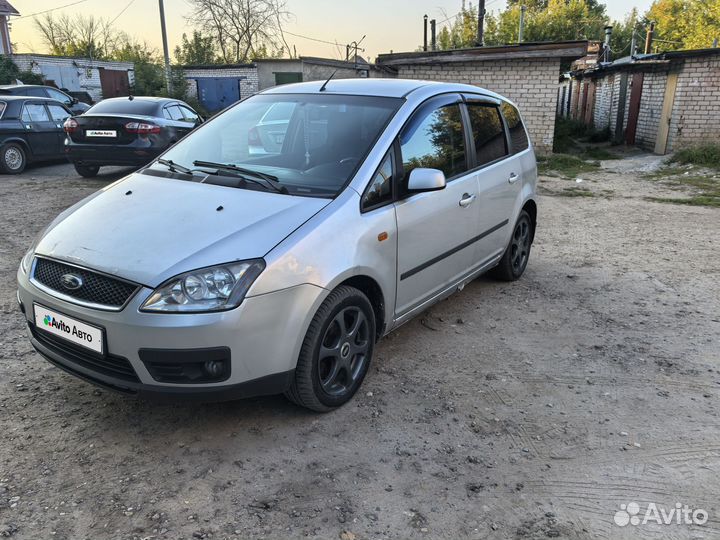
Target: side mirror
[426,180]
[74,101]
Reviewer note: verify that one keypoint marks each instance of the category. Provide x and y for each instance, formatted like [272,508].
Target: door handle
[467,199]
[513,178]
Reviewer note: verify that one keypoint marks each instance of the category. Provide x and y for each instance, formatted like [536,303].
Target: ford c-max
[225,270]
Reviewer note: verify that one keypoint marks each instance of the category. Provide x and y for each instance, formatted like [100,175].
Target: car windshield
[124,106]
[311,143]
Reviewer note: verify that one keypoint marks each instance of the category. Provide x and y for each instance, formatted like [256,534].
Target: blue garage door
[217,93]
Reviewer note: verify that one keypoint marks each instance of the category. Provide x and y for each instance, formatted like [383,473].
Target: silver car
[218,273]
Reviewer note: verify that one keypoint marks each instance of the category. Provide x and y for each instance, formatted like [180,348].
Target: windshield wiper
[270,180]
[174,167]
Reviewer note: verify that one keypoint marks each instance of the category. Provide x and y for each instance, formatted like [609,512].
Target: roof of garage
[554,49]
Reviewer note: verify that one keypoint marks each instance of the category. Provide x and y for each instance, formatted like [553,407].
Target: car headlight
[215,288]
[26,261]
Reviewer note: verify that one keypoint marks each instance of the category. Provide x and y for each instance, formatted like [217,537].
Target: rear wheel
[515,259]
[86,171]
[13,158]
[336,352]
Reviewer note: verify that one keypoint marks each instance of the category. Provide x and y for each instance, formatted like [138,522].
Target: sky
[388,25]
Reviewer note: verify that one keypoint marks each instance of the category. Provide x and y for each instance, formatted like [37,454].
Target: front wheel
[86,171]
[515,259]
[336,352]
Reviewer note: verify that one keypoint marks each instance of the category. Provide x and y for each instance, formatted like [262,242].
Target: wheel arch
[530,207]
[370,288]
[23,143]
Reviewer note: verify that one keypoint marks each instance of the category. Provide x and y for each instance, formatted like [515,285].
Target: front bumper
[263,336]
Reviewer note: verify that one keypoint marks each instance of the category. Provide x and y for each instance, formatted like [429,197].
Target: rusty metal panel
[634,109]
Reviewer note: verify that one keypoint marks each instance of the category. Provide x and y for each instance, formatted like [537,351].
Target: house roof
[7,9]
[551,49]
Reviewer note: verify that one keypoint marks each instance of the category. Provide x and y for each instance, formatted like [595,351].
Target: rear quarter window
[3,105]
[518,135]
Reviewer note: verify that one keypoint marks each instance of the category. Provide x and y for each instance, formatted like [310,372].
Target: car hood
[148,229]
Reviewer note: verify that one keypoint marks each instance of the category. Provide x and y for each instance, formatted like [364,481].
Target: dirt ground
[525,410]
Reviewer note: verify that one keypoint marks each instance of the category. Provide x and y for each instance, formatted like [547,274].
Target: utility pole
[522,24]
[633,44]
[649,38]
[165,47]
[481,23]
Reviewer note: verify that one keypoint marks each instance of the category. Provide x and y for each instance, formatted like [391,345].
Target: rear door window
[487,131]
[57,94]
[174,112]
[35,112]
[518,135]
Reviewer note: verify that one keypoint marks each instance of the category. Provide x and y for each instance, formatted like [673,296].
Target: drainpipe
[649,38]
[433,42]
[608,35]
[425,19]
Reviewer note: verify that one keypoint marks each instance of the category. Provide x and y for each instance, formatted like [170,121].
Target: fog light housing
[214,368]
[187,366]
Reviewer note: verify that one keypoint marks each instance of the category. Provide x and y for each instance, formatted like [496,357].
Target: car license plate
[101,133]
[62,326]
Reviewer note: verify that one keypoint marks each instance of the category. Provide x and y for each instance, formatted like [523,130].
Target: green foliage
[566,165]
[554,20]
[197,50]
[684,24]
[462,33]
[9,72]
[707,155]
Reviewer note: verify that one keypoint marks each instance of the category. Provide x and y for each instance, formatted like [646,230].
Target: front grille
[110,365]
[96,288]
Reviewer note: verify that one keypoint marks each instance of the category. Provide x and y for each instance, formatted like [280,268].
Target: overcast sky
[388,24]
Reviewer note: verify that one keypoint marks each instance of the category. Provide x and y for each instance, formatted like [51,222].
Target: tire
[516,256]
[87,171]
[336,351]
[13,158]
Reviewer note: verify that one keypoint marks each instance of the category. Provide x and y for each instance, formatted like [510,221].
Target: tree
[462,33]
[684,24]
[243,28]
[554,20]
[196,51]
[80,36]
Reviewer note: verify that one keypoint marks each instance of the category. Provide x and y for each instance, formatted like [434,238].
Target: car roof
[13,86]
[396,88]
[9,97]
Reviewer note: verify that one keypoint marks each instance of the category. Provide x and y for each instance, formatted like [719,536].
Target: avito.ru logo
[629,514]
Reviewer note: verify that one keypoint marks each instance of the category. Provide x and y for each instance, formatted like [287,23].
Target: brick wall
[319,72]
[531,84]
[696,110]
[604,96]
[651,104]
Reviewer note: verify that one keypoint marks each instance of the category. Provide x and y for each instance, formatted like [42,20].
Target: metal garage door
[217,93]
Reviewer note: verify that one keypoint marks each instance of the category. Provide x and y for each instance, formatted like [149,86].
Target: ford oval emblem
[72,282]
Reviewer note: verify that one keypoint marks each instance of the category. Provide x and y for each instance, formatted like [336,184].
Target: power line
[51,9]
[130,3]
[311,38]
